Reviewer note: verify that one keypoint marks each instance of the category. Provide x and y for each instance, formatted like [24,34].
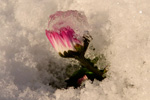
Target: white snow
[28,62]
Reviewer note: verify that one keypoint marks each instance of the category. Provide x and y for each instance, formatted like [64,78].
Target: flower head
[64,40]
[65,32]
[81,80]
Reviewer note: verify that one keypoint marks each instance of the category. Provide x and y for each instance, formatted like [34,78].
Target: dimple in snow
[62,32]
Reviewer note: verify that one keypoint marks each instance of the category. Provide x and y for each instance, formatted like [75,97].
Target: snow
[28,63]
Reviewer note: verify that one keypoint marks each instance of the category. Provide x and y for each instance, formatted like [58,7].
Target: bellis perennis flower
[66,32]
[63,27]
[65,40]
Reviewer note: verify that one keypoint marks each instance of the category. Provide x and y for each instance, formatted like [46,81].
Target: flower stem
[86,63]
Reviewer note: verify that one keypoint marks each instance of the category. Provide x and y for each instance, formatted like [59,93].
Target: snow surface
[28,62]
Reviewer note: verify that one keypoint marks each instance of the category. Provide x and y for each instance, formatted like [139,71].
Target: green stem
[85,62]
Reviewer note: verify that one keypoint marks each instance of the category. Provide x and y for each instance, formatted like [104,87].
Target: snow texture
[28,63]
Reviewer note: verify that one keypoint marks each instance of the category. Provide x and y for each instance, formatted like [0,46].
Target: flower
[64,40]
[82,80]
[65,32]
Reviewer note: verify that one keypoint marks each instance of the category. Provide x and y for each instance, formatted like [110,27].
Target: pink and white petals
[64,40]
[65,31]
[82,80]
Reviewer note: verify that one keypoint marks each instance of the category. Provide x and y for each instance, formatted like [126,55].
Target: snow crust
[28,63]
